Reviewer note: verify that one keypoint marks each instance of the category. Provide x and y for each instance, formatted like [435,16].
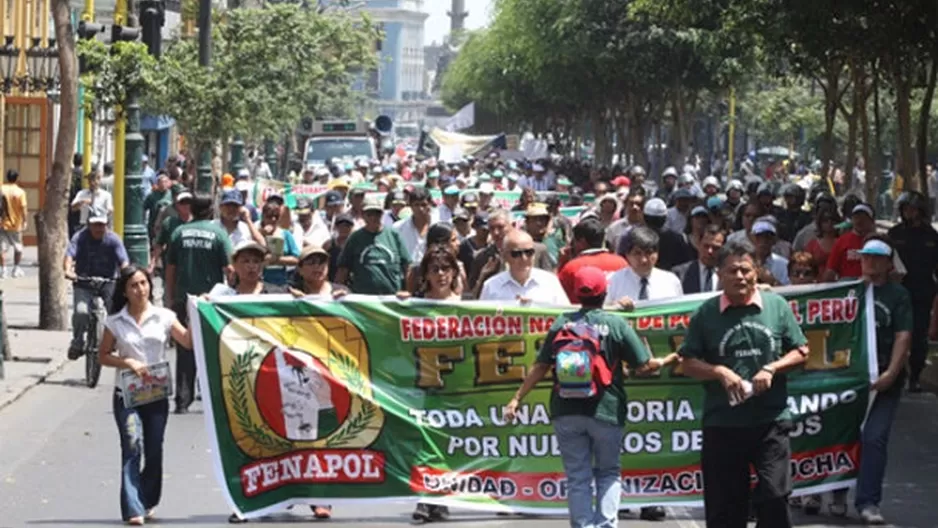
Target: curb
[16,391]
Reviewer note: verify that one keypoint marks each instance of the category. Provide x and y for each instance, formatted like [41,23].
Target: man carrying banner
[586,349]
[741,344]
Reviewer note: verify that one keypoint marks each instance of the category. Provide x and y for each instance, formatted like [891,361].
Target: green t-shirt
[743,339]
[376,261]
[200,251]
[153,204]
[893,314]
[619,344]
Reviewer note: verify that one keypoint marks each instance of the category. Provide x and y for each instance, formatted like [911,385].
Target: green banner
[263,188]
[315,401]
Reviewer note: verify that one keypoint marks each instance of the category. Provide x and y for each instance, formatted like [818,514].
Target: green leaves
[271,67]
[112,72]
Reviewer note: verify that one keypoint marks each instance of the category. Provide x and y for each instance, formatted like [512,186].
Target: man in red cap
[586,349]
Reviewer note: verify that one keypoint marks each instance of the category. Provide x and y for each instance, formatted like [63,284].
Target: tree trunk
[874,164]
[51,225]
[905,165]
[923,119]
[872,177]
[831,101]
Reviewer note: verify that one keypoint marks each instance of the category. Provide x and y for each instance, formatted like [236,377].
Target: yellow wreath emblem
[334,341]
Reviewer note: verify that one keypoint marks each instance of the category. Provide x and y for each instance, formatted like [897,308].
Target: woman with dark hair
[139,331]
[820,248]
[441,234]
[803,268]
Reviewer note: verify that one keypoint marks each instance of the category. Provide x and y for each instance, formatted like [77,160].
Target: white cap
[486,188]
[537,167]
[656,207]
[97,219]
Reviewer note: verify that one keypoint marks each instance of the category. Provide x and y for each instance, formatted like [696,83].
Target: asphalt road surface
[59,467]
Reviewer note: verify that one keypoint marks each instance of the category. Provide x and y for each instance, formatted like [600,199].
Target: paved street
[59,454]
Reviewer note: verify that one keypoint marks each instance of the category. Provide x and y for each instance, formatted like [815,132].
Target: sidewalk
[36,353]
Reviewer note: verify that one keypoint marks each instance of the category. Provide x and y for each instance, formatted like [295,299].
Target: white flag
[463,119]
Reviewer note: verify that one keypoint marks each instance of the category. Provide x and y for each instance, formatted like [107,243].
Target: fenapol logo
[298,397]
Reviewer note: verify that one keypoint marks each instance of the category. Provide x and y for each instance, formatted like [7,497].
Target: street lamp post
[270,156]
[204,169]
[237,156]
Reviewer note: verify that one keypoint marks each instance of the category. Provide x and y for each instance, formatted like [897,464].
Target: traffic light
[124,34]
[151,20]
[87,31]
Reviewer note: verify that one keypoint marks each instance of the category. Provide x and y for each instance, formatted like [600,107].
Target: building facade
[398,88]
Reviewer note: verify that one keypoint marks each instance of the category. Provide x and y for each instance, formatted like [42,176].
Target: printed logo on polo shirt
[747,341]
[883,315]
[377,255]
[853,254]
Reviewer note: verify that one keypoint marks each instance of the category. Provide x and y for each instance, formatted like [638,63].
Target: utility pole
[204,170]
[128,168]
[87,134]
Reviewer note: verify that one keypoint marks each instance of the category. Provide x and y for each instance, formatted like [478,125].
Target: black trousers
[725,459]
[185,364]
[918,352]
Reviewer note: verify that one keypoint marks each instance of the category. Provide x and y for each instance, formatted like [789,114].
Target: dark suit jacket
[689,273]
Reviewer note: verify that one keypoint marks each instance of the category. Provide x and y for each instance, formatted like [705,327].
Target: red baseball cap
[589,281]
[621,181]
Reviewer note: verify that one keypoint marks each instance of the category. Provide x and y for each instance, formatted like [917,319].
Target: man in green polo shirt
[198,258]
[374,257]
[894,323]
[589,428]
[740,345]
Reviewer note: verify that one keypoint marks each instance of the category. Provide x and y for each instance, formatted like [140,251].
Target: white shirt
[676,220]
[241,231]
[145,342]
[626,283]
[445,213]
[101,203]
[316,235]
[542,287]
[415,243]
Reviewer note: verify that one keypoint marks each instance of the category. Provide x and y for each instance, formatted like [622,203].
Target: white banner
[463,119]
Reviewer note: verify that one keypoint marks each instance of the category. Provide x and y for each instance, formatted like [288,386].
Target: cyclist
[94,252]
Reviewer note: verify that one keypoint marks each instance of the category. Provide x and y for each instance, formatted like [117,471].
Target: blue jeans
[874,447]
[141,432]
[82,305]
[590,451]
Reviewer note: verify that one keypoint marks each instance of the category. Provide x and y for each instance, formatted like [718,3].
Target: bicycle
[95,328]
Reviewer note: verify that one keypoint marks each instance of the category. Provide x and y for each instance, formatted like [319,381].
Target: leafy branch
[112,72]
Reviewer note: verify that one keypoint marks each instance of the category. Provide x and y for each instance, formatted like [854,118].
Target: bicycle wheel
[92,367]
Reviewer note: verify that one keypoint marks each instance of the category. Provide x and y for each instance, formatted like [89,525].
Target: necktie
[708,280]
[643,292]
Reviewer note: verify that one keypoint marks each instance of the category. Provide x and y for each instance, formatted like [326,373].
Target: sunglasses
[315,260]
[802,273]
[518,253]
[435,269]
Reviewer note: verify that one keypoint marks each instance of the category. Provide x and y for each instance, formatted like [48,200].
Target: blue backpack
[580,370]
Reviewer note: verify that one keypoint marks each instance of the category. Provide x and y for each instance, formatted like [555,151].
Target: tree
[271,67]
[51,225]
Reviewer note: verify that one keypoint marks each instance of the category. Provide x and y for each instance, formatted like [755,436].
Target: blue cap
[451,190]
[714,203]
[334,198]
[876,247]
[232,197]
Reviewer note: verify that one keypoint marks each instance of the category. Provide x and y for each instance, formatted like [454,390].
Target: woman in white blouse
[138,331]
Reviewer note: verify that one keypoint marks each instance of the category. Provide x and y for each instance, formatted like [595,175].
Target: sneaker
[3,273]
[234,518]
[18,272]
[75,352]
[652,513]
[871,515]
